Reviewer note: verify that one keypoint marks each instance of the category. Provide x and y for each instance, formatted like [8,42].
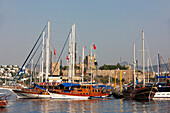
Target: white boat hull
[61,96]
[64,96]
[24,95]
[162,96]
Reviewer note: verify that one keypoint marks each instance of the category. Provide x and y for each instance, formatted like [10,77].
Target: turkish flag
[67,58]
[54,52]
[94,46]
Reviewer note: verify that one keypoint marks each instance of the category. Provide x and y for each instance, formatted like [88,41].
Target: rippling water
[77,106]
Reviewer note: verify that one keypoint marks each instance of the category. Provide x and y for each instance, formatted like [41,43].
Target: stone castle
[127,75]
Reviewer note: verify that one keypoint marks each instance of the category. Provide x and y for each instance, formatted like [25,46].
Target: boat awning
[162,76]
[103,86]
[69,84]
[40,87]
[99,86]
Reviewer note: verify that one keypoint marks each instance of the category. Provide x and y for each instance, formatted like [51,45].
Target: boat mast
[148,70]
[47,52]
[169,65]
[31,72]
[91,66]
[143,56]
[134,66]
[70,58]
[82,65]
[158,67]
[42,58]
[73,45]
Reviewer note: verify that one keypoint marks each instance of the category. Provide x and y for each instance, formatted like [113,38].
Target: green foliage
[123,80]
[139,71]
[65,68]
[112,67]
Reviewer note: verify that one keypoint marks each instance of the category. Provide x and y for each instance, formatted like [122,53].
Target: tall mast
[169,65]
[73,40]
[42,58]
[137,68]
[70,58]
[47,52]
[39,75]
[134,66]
[51,63]
[143,56]
[158,67]
[148,70]
[31,72]
[91,66]
[83,65]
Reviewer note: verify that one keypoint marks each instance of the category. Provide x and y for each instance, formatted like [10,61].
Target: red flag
[67,58]
[54,51]
[94,46]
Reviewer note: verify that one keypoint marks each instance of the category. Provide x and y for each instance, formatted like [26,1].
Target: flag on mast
[94,46]
[54,52]
[67,58]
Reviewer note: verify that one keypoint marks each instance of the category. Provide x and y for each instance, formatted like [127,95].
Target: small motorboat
[3,101]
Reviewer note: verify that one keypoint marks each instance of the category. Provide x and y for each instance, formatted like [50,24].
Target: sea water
[82,106]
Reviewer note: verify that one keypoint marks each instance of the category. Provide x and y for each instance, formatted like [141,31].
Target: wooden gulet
[139,91]
[36,91]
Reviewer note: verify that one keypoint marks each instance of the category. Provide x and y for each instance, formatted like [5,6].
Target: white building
[4,66]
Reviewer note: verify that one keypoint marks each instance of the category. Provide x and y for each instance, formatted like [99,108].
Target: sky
[112,25]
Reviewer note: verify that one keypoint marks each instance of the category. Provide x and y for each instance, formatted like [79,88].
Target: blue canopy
[162,76]
[102,86]
[99,86]
[69,84]
[40,87]
[36,85]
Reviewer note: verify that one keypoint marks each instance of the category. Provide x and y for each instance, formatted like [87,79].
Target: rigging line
[62,51]
[36,63]
[130,57]
[79,44]
[51,44]
[165,64]
[149,56]
[30,52]
[34,53]
[52,49]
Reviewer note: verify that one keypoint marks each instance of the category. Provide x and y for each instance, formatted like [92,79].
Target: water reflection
[3,110]
[121,105]
[81,106]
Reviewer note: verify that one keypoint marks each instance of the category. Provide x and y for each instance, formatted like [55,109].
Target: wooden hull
[143,93]
[21,94]
[62,95]
[117,95]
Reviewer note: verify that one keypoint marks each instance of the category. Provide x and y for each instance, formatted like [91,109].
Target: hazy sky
[113,25]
